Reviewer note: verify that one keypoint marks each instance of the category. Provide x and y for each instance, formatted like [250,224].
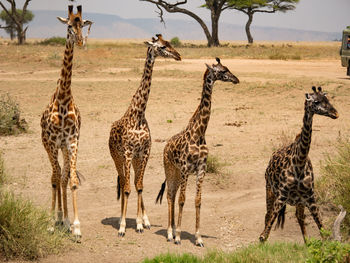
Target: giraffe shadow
[184,235]
[114,222]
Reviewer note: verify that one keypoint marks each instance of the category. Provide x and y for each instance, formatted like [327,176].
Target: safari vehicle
[345,50]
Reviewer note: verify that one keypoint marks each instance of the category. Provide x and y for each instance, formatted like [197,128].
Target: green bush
[175,41]
[213,164]
[327,250]
[10,121]
[333,187]
[24,230]
[53,41]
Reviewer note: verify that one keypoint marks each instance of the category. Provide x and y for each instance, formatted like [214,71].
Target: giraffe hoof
[148,227]
[169,240]
[177,242]
[140,231]
[121,234]
[199,244]
[77,239]
[262,239]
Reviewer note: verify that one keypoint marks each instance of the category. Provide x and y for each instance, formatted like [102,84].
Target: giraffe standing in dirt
[186,153]
[60,125]
[289,175]
[130,138]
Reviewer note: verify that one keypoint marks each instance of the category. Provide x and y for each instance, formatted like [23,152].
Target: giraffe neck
[304,141]
[64,92]
[200,119]
[139,101]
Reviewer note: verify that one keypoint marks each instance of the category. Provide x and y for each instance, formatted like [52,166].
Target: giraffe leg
[198,200]
[277,206]
[52,152]
[314,210]
[299,213]
[270,200]
[73,183]
[139,165]
[65,178]
[182,198]
[172,178]
[125,194]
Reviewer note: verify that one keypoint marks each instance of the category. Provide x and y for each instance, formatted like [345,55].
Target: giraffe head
[221,72]
[75,24]
[163,48]
[318,103]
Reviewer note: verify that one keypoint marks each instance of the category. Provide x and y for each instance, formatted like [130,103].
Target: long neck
[200,119]
[64,83]
[304,141]
[139,101]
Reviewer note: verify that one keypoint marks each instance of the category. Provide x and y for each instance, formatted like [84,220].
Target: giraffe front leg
[314,210]
[278,204]
[65,178]
[199,181]
[182,198]
[73,183]
[125,195]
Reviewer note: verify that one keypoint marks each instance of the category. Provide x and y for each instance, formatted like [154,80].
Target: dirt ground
[248,122]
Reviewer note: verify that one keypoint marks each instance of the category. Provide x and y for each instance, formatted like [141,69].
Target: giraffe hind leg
[299,213]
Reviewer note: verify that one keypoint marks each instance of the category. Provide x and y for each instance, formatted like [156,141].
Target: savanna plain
[248,122]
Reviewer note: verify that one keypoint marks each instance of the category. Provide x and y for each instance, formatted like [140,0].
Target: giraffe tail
[161,192]
[118,186]
[281,217]
[80,176]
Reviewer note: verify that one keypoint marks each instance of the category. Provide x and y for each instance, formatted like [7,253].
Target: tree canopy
[10,26]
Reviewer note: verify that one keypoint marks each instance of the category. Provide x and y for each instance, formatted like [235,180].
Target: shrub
[175,41]
[327,250]
[333,187]
[24,230]
[61,41]
[10,121]
[213,164]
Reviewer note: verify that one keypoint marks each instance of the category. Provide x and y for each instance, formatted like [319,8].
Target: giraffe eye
[69,26]
[317,102]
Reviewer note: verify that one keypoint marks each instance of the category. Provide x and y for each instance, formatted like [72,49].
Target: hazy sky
[319,15]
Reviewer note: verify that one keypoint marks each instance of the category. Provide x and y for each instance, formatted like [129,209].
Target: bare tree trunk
[215,15]
[247,27]
[337,223]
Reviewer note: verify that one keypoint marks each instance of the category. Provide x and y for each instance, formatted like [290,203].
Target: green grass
[333,187]
[10,121]
[267,252]
[24,230]
[3,178]
[53,41]
[213,164]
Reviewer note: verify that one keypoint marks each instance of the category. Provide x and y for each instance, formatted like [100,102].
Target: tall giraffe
[60,125]
[130,138]
[186,153]
[289,175]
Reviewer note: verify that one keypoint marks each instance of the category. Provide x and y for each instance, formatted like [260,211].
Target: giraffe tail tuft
[118,186]
[161,192]
[80,176]
[281,217]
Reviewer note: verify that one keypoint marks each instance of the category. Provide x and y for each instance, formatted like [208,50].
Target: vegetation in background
[333,187]
[16,18]
[53,41]
[2,172]
[10,121]
[213,164]
[175,42]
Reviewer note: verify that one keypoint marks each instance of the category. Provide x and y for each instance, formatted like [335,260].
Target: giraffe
[130,138]
[186,153]
[60,125]
[289,175]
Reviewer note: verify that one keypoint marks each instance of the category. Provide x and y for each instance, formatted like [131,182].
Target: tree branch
[160,14]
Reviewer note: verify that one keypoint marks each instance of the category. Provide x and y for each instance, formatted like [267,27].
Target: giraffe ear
[87,23]
[62,20]
[308,97]
[209,67]
[149,43]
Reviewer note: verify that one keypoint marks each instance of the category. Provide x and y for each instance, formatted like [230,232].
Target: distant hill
[46,25]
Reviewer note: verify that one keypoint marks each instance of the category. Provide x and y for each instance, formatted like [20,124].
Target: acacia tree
[215,6]
[250,7]
[10,26]
[18,17]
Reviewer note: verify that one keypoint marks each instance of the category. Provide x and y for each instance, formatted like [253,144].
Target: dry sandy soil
[248,122]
